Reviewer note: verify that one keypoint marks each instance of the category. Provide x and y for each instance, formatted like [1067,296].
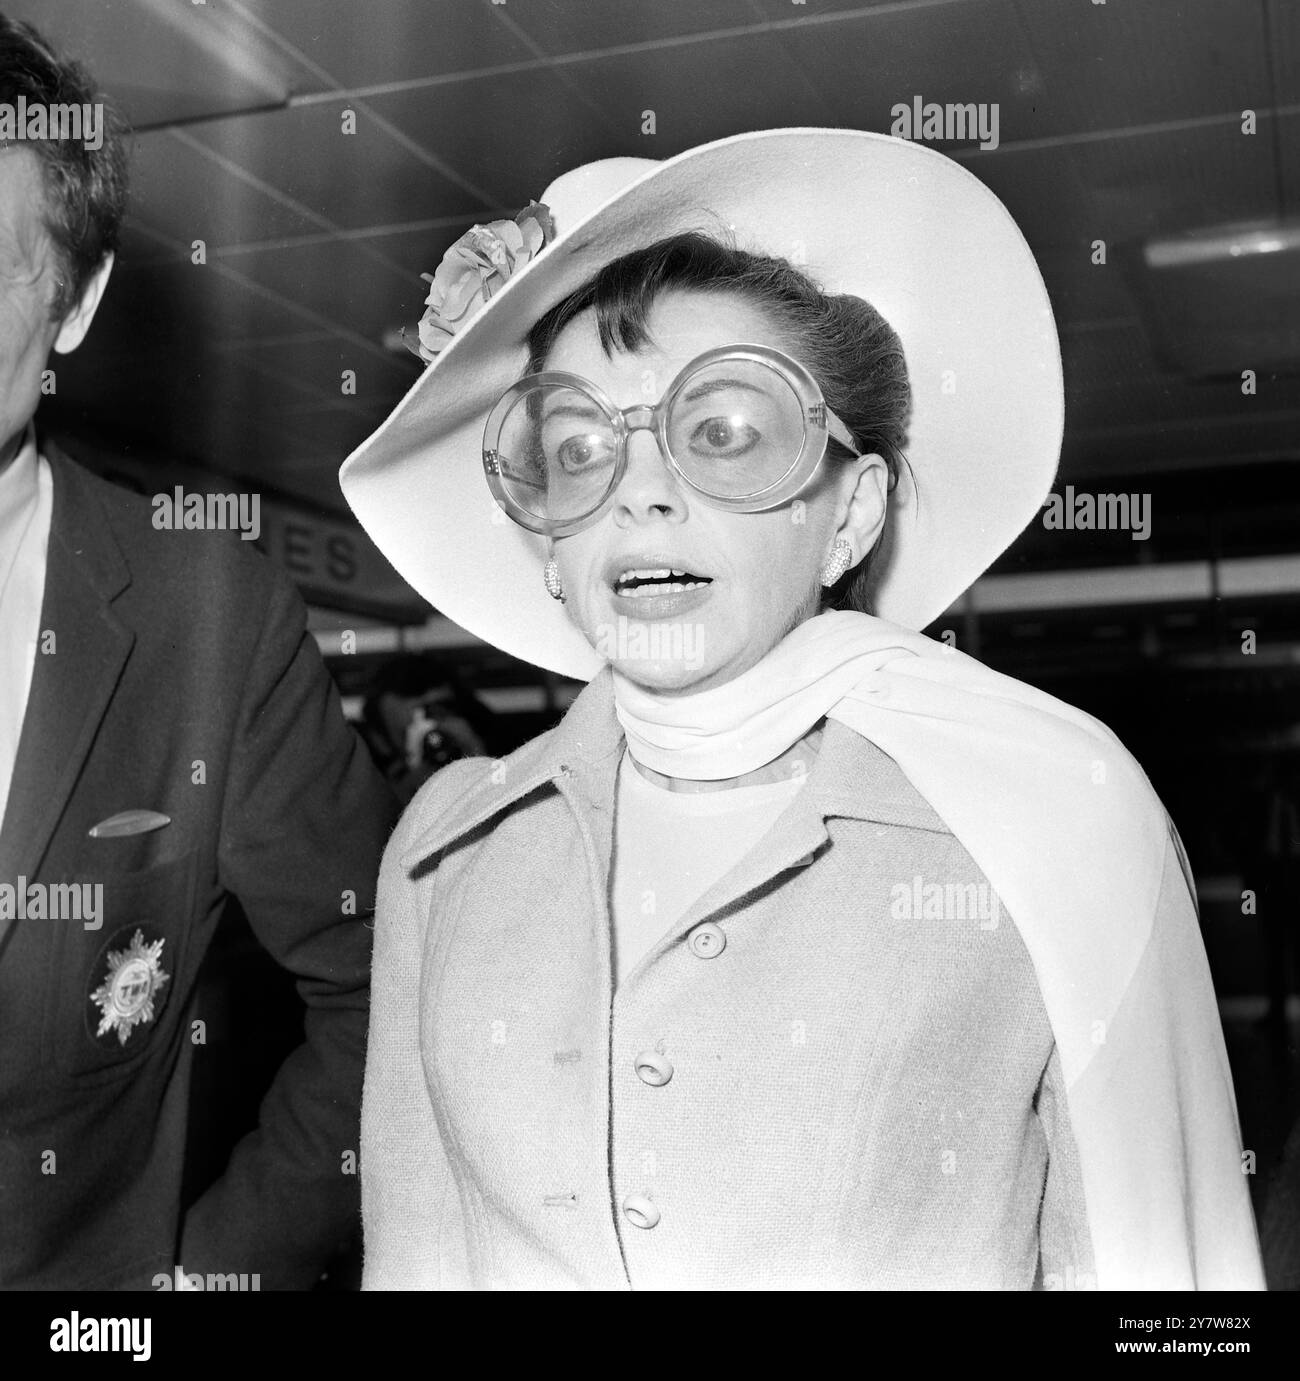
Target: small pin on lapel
[129,822]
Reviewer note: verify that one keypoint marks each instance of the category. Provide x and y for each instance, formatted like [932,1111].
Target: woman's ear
[861,516]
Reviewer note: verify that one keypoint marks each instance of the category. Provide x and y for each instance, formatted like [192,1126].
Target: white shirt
[670,847]
[26,506]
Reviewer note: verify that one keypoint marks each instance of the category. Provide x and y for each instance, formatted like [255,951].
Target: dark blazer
[176,676]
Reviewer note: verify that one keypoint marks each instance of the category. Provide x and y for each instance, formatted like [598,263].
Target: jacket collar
[850,777]
[587,743]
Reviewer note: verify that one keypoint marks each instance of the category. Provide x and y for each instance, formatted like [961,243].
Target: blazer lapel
[73,683]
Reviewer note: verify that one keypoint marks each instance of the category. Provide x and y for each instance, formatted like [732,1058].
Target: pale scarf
[1072,837]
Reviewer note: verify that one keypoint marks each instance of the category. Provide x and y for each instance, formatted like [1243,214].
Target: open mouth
[663,581]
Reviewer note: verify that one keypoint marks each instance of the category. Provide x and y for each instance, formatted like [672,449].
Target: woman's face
[758,573]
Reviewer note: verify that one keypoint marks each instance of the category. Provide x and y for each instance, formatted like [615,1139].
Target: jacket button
[653,1069]
[707,941]
[640,1211]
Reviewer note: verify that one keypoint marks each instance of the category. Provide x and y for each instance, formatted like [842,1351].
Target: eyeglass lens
[734,428]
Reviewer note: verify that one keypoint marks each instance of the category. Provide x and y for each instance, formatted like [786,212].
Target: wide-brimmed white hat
[912,232]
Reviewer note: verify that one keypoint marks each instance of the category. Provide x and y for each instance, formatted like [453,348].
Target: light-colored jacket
[816,1078]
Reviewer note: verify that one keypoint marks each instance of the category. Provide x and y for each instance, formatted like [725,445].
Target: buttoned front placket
[651,1081]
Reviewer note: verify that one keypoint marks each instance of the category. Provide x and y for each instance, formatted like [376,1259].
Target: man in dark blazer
[179,744]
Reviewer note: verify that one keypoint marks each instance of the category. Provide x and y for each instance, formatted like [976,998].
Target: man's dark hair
[85,189]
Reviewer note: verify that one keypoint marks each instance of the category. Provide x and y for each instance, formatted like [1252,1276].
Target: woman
[805,951]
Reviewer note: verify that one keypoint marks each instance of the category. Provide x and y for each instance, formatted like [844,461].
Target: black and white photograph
[649,646]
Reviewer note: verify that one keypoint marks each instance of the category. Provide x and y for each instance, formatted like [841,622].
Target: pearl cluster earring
[840,559]
[551,579]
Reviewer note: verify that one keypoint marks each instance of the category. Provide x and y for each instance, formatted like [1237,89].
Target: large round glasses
[744,427]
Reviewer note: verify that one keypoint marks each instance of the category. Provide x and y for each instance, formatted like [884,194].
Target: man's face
[28,284]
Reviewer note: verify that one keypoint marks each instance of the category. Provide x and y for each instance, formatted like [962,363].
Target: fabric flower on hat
[473,269]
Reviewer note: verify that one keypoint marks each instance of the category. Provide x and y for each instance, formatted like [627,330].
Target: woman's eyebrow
[693,394]
[703,390]
[571,410]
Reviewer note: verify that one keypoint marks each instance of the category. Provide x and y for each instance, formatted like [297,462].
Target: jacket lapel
[73,682]
[792,842]
[850,777]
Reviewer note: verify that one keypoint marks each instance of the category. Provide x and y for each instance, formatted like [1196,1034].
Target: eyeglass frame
[817,419]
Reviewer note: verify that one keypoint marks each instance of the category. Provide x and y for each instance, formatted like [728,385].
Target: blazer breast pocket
[118,992]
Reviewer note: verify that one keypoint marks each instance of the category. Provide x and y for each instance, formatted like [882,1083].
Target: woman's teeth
[659,582]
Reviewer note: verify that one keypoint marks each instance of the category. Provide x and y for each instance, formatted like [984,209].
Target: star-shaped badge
[135,977]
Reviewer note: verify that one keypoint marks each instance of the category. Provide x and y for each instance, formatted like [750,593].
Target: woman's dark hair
[85,189]
[850,349]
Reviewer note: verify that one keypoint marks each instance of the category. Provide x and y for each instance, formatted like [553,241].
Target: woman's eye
[580,452]
[724,436]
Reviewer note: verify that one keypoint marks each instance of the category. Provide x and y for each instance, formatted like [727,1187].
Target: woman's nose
[649,484]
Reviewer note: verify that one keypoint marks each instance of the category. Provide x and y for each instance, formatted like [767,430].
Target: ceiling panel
[1111,379]
[350,180]
[511,147]
[1284,35]
[834,11]
[1129,456]
[1040,187]
[163,61]
[559,26]
[416,251]
[1223,175]
[1114,65]
[186,196]
[691,105]
[975,51]
[360,44]
[1188,443]
[338,283]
